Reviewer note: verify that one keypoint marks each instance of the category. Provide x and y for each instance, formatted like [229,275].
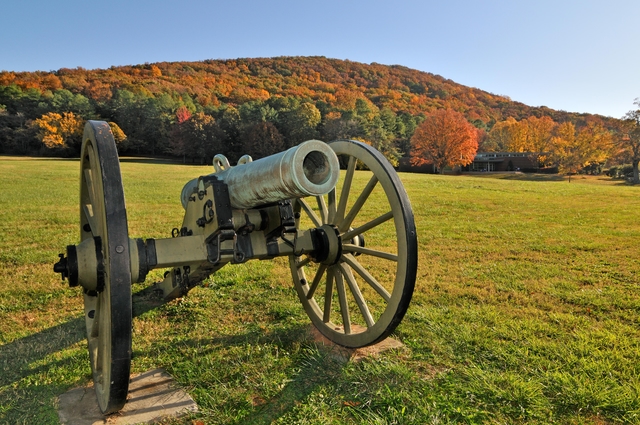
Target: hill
[343,98]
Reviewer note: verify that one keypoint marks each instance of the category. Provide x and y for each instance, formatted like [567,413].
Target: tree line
[193,111]
[51,123]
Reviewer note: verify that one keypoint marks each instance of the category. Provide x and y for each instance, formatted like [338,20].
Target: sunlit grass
[526,309]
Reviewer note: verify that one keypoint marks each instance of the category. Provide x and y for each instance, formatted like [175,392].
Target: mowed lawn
[526,309]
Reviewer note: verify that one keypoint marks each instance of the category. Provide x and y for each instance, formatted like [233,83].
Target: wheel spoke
[367,226]
[328,294]
[316,281]
[332,207]
[95,324]
[357,206]
[357,295]
[102,337]
[303,263]
[348,247]
[350,260]
[312,215]
[346,189]
[344,307]
[88,213]
[88,177]
[322,206]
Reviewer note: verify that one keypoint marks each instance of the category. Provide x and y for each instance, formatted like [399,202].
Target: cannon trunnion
[349,236]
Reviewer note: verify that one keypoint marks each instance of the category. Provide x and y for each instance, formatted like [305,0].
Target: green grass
[526,309]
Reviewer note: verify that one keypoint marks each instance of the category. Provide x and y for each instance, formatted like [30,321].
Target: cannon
[337,211]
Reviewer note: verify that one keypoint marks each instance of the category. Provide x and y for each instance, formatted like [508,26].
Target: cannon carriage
[337,211]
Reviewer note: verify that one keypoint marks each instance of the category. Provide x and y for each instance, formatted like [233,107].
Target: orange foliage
[51,82]
[339,83]
[7,78]
[155,71]
[445,138]
[97,90]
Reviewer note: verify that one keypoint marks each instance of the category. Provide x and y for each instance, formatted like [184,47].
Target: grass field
[526,309]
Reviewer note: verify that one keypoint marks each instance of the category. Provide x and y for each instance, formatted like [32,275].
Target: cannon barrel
[309,169]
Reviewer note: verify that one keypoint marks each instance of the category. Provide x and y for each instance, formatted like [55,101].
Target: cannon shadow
[312,367]
[24,399]
[24,358]
[34,355]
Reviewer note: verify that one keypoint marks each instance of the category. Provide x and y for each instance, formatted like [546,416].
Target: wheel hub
[83,265]
[327,245]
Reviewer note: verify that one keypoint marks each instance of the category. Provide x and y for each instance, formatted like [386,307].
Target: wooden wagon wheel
[107,310]
[360,297]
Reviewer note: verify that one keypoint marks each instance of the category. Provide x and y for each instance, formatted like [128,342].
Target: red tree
[182,114]
[445,138]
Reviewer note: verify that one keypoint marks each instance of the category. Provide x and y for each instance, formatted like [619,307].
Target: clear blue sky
[575,55]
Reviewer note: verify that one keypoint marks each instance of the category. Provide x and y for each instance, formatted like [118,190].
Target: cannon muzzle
[309,169]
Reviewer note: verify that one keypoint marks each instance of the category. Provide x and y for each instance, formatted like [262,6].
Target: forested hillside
[193,110]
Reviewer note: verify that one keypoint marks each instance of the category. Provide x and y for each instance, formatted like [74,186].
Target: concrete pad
[353,354]
[153,395]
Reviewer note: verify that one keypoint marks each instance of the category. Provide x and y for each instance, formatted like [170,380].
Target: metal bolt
[119,249]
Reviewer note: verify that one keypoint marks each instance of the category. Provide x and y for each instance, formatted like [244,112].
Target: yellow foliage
[55,130]
[118,134]
[501,135]
[573,150]
[529,135]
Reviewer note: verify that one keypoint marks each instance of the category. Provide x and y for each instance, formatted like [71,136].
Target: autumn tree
[182,114]
[118,134]
[531,135]
[565,149]
[445,138]
[629,141]
[500,137]
[60,131]
[539,132]
[599,141]
[573,150]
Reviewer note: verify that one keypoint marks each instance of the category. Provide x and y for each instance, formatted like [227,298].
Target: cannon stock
[349,236]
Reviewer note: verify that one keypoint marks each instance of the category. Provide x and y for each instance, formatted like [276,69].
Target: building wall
[405,166]
[484,161]
[502,161]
